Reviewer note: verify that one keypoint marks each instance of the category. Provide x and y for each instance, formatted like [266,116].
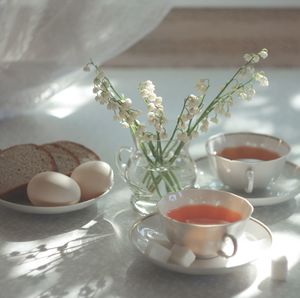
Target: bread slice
[19,163]
[65,160]
[81,152]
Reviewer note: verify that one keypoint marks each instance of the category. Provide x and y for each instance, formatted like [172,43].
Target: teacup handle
[250,180]
[121,162]
[234,244]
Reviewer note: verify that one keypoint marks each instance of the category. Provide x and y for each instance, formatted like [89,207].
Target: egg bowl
[19,201]
[22,204]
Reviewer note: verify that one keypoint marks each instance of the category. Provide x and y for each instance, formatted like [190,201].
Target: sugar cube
[157,251]
[182,255]
[279,269]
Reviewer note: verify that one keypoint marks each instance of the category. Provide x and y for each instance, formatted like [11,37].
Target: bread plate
[24,205]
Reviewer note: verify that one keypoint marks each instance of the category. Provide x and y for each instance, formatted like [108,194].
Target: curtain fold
[44,44]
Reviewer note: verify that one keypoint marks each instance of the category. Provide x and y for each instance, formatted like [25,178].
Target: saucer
[287,185]
[24,205]
[255,241]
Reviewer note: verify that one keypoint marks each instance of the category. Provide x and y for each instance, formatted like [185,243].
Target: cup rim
[282,142]
[205,225]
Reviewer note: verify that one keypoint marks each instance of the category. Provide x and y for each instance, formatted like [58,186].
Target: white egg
[94,178]
[53,189]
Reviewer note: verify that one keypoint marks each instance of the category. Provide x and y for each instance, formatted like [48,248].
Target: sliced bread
[65,160]
[81,152]
[19,163]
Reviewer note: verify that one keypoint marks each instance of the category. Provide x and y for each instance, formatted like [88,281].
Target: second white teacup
[247,161]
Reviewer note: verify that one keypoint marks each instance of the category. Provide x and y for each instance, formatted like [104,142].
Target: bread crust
[87,154]
[71,156]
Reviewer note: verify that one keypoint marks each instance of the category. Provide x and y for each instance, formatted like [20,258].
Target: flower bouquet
[159,161]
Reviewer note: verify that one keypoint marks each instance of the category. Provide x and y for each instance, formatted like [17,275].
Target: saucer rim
[31,209]
[199,271]
[263,200]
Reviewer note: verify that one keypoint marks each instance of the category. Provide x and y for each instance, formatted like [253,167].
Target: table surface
[87,253]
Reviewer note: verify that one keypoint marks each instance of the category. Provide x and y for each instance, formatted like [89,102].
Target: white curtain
[45,43]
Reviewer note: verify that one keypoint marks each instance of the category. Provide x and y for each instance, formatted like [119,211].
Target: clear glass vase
[153,170]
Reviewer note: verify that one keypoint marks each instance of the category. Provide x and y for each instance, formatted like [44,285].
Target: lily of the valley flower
[155,116]
[263,53]
[262,79]
[202,86]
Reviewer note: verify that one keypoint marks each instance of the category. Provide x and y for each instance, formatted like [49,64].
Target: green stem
[159,149]
[233,91]
[211,106]
[156,187]
[177,151]
[175,180]
[144,150]
[176,126]
[169,179]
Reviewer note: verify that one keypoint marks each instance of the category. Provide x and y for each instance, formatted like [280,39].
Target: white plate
[287,186]
[25,206]
[256,240]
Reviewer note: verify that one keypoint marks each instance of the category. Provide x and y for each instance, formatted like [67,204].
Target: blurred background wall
[214,33]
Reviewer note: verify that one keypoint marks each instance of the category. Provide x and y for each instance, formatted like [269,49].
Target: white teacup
[247,161]
[203,220]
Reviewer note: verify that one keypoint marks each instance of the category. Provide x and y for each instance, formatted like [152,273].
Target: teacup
[204,220]
[247,161]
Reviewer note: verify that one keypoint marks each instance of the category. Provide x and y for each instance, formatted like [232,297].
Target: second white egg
[94,178]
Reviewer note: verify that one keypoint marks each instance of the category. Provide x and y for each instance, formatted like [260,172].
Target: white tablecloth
[88,253]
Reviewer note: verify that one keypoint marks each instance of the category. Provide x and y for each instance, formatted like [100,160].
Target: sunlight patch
[295,102]
[68,101]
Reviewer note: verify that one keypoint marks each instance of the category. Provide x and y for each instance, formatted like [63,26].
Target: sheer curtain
[44,44]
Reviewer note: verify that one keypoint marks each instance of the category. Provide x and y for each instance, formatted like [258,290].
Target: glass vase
[155,169]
